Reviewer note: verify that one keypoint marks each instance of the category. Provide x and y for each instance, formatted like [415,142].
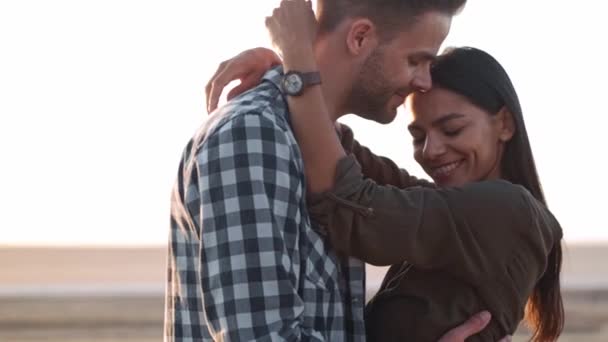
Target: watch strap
[311,78]
[306,79]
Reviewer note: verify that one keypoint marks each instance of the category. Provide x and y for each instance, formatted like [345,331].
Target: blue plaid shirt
[244,261]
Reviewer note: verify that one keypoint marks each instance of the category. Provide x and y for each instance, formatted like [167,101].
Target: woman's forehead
[437,102]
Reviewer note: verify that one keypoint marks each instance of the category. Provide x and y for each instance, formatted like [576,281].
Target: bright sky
[98,99]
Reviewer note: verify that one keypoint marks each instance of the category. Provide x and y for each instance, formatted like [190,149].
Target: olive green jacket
[482,246]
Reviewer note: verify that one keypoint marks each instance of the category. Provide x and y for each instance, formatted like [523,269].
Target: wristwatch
[295,82]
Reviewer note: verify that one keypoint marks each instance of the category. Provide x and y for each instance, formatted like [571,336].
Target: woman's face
[455,141]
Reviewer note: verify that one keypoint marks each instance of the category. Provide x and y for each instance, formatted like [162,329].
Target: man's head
[385,48]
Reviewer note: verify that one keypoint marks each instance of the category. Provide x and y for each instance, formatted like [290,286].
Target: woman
[468,128]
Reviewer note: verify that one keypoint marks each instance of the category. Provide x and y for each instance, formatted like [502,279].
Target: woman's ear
[505,124]
[362,37]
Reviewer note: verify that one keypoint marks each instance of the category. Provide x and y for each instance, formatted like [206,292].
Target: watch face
[292,83]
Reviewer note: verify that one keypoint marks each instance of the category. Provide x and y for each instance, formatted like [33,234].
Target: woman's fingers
[228,74]
[211,82]
[247,82]
[249,66]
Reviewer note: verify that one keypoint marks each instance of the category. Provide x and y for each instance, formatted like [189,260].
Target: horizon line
[4,245]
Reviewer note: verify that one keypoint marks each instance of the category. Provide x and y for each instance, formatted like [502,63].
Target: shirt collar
[274,76]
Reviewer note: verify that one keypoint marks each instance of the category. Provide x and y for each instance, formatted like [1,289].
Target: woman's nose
[433,148]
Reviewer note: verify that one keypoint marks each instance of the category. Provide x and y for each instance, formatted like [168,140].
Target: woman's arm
[380,225]
[470,231]
[292,28]
[382,170]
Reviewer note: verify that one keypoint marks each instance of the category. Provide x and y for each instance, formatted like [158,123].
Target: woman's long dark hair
[480,78]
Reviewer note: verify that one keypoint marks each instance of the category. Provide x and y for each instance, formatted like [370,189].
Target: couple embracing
[277,207]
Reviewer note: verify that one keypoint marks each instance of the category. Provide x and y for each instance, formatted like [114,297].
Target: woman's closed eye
[452,128]
[417,137]
[453,132]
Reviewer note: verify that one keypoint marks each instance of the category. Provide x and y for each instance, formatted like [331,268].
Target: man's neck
[336,85]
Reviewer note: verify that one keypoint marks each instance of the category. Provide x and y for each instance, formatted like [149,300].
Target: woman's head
[469,126]
[456,141]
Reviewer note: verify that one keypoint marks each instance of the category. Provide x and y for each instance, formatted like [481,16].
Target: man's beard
[371,92]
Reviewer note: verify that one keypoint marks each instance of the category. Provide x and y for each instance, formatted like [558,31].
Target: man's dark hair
[388,15]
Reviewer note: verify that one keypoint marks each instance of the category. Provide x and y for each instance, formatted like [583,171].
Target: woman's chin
[451,182]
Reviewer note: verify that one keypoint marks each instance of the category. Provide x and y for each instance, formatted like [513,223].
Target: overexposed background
[98,98]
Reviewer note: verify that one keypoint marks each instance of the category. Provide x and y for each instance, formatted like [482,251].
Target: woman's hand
[293,30]
[248,66]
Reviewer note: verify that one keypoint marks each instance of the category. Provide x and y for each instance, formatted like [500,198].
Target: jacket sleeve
[467,230]
[380,169]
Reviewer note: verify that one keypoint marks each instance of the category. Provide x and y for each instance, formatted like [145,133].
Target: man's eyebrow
[423,55]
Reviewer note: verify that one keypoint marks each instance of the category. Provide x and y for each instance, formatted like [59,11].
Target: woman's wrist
[300,60]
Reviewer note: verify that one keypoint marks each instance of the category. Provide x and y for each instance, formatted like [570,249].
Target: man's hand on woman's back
[469,328]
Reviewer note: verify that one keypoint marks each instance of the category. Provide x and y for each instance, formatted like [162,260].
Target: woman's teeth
[446,169]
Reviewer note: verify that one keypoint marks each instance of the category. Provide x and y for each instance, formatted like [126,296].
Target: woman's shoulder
[498,196]
[498,189]
[500,202]
[515,196]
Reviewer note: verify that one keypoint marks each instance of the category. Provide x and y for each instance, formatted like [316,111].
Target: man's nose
[422,81]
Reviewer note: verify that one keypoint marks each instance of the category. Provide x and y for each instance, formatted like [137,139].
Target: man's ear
[505,124]
[362,37]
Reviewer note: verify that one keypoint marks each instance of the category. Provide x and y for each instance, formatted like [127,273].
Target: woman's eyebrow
[448,117]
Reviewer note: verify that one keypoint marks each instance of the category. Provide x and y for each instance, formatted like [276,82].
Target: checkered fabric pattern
[245,263]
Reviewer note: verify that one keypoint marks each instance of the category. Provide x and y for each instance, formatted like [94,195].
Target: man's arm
[247,192]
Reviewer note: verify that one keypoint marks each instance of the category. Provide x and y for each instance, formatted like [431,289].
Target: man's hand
[469,328]
[249,66]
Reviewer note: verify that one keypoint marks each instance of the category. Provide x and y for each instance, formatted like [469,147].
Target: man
[244,261]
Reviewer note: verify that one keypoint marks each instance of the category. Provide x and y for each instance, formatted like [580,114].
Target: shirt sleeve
[469,231]
[382,170]
[248,181]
